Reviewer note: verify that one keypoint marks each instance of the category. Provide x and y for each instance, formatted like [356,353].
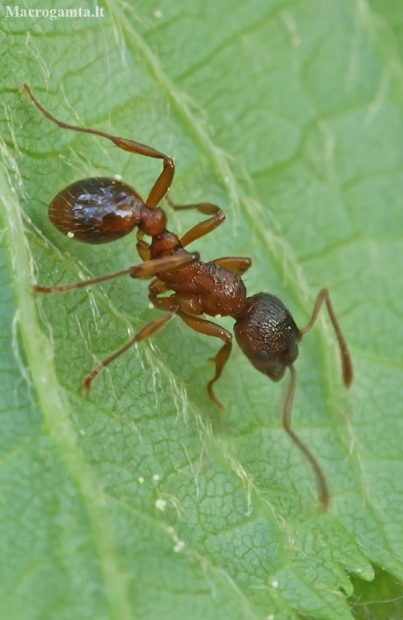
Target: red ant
[99,210]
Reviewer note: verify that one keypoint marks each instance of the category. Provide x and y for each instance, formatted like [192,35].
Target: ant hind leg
[161,185]
[146,332]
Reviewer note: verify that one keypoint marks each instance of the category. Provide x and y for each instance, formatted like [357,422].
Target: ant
[100,210]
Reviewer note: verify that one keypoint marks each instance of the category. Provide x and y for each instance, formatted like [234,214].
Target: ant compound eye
[262,356]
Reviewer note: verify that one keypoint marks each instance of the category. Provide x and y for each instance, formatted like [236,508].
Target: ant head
[267,334]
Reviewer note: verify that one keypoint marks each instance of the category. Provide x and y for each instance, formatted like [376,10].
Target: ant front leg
[190,305]
[204,228]
[212,329]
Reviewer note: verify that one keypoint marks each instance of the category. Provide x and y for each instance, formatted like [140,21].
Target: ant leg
[146,332]
[144,271]
[212,329]
[155,266]
[143,249]
[239,264]
[204,227]
[189,304]
[163,182]
[156,287]
[347,366]
[324,495]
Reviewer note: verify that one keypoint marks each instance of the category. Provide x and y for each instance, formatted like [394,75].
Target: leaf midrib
[53,402]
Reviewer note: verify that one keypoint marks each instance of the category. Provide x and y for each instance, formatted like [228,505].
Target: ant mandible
[99,210]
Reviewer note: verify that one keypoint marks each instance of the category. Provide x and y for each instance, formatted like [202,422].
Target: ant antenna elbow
[347,366]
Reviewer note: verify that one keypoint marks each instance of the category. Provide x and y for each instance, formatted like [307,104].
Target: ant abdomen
[96,210]
[267,335]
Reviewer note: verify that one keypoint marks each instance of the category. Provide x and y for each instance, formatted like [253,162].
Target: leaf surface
[141,500]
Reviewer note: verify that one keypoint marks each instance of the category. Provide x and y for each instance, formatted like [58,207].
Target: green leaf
[141,500]
[382,599]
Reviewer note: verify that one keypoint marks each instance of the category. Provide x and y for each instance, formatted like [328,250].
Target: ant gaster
[99,210]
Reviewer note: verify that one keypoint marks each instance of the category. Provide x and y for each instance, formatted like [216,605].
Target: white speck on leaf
[160,504]
[179,546]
